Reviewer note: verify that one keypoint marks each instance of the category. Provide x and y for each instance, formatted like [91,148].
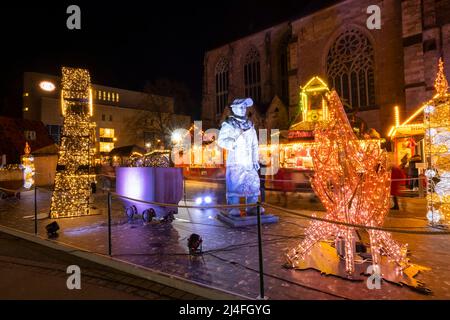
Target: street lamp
[47,86]
[176,137]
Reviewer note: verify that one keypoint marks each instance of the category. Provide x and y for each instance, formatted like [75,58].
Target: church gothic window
[222,71]
[284,75]
[252,75]
[350,69]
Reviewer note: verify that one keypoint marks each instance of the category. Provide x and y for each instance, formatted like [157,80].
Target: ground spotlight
[207,199]
[195,244]
[52,229]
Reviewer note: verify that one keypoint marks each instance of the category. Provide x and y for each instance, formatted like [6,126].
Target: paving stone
[163,247]
[167,291]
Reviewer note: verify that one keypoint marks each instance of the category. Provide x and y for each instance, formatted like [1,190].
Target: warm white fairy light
[73,179]
[353,182]
[28,167]
[437,150]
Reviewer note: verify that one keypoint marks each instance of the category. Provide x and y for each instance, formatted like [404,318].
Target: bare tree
[158,120]
[183,101]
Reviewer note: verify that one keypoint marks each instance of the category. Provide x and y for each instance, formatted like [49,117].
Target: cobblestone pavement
[230,260]
[32,271]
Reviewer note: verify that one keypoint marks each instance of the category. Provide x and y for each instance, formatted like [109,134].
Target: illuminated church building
[372,70]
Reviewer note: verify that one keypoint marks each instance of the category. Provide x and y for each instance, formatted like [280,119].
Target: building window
[106,146]
[110,117]
[117,97]
[106,133]
[104,95]
[284,75]
[30,135]
[99,94]
[106,139]
[109,96]
[350,69]
[221,72]
[55,132]
[252,75]
[103,117]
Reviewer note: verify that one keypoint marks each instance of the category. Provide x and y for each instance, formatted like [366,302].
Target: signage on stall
[300,134]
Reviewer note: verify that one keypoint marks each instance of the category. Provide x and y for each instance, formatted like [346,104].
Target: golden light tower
[437,150]
[73,174]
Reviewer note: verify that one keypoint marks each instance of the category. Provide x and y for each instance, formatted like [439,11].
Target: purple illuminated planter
[163,185]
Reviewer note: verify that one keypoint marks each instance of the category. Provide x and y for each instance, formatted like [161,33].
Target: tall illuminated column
[73,179]
[437,150]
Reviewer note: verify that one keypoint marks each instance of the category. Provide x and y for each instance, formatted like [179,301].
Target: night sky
[127,43]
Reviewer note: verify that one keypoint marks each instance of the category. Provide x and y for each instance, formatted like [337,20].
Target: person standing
[413,172]
[397,180]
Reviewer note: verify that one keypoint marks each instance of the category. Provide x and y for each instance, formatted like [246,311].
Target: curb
[176,282]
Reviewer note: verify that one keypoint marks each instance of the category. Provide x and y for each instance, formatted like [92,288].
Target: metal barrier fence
[258,205]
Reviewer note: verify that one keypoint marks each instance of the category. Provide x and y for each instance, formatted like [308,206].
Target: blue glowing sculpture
[238,136]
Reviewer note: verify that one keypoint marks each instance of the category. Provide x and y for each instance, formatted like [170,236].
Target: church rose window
[350,69]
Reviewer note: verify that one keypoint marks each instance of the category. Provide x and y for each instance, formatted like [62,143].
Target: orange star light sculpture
[352,179]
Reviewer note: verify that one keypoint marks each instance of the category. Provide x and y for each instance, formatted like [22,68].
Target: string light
[28,167]
[437,150]
[353,182]
[73,179]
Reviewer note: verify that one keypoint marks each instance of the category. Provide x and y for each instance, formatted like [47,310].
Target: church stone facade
[372,70]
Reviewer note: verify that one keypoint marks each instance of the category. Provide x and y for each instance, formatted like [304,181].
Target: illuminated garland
[28,167]
[437,150]
[353,182]
[72,183]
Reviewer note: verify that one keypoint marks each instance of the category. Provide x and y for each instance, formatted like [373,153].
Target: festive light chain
[11,167]
[352,180]
[73,181]
[28,167]
[437,150]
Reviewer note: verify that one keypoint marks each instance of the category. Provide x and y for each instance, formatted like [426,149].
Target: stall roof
[412,125]
[126,151]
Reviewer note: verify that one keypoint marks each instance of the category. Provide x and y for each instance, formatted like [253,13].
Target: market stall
[407,138]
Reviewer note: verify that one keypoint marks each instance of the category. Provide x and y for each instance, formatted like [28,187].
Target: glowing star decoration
[73,174]
[28,167]
[437,151]
[353,182]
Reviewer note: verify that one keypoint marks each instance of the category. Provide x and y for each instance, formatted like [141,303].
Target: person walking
[397,180]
